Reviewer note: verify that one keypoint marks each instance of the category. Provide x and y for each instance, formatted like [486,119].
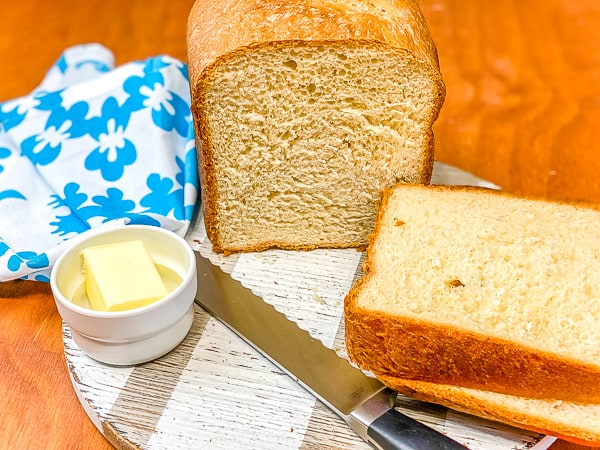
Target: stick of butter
[121,276]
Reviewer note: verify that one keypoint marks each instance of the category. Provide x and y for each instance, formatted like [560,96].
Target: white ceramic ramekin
[137,335]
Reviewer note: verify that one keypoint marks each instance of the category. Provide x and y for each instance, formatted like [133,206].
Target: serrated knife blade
[363,402]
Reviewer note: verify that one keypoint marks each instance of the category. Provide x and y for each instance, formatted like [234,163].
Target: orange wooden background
[522,110]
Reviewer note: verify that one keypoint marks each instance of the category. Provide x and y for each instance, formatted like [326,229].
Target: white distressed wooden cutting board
[215,392]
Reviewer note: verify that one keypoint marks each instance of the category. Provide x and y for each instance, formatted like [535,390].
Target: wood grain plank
[39,407]
[33,34]
[522,110]
[523,95]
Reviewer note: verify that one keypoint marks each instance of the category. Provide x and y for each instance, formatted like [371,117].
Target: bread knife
[362,401]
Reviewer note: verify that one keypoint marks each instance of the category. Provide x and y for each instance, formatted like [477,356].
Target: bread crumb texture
[517,269]
[305,137]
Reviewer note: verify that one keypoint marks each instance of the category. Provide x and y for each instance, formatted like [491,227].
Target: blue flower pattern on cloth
[114,151]
[94,146]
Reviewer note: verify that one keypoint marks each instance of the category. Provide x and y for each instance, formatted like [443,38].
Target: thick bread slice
[575,422]
[304,111]
[479,289]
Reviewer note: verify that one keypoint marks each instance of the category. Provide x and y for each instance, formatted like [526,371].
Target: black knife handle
[395,431]
[386,428]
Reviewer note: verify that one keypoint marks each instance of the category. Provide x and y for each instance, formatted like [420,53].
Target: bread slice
[574,422]
[474,288]
[304,111]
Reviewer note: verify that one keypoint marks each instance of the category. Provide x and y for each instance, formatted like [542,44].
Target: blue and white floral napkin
[93,146]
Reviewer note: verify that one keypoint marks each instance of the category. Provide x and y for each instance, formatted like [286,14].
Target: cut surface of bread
[575,422]
[479,289]
[301,125]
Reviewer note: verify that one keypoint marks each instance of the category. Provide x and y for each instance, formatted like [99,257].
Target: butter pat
[121,276]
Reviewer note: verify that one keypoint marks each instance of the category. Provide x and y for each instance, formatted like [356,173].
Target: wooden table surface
[522,110]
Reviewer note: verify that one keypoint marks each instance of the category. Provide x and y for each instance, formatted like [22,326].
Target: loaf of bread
[304,111]
[575,422]
[478,289]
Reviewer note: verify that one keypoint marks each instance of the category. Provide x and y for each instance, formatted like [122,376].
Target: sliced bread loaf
[574,422]
[479,289]
[304,111]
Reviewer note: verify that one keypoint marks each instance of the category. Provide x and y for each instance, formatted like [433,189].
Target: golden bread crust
[541,416]
[218,31]
[389,345]
[216,28]
[397,346]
